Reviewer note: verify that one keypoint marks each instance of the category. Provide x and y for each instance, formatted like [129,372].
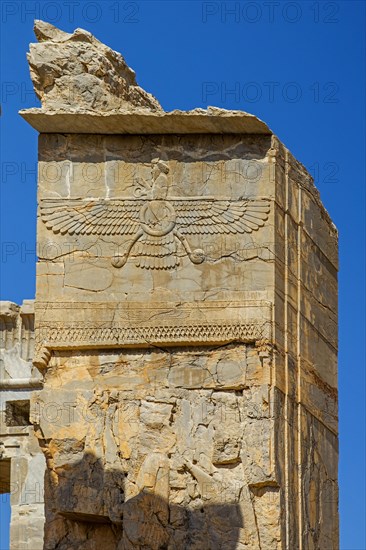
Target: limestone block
[319,398]
[319,228]
[70,71]
[319,273]
[319,353]
[323,319]
[103,447]
[319,490]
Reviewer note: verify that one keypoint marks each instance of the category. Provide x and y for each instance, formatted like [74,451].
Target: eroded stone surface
[166,460]
[22,463]
[185,321]
[73,71]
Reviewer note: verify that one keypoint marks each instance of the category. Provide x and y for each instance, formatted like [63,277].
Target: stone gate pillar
[186,314]
[22,463]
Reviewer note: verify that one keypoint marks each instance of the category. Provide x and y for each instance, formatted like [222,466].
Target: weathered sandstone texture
[185,318]
[22,463]
[76,71]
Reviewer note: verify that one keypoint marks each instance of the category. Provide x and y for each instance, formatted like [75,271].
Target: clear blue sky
[299,66]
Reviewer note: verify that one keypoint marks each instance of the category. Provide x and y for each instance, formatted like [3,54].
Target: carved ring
[169,219]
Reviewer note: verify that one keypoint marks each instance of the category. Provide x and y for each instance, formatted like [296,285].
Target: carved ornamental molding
[156,222]
[136,325]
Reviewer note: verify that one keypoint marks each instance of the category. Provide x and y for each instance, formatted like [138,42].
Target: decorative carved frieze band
[104,325]
[72,336]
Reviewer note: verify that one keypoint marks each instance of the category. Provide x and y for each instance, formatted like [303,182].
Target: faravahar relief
[156,222]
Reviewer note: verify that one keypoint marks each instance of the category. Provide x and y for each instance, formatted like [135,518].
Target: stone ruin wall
[185,322]
[192,434]
[22,463]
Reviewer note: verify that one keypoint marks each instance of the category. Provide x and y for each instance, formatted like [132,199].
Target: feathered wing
[212,216]
[90,216]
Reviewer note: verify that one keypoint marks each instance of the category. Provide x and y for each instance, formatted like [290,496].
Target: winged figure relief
[156,223]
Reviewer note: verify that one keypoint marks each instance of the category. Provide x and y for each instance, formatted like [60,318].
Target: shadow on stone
[87,508]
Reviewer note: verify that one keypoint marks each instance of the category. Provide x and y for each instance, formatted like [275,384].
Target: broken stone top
[76,71]
[86,87]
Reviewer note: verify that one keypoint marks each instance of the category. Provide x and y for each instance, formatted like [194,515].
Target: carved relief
[134,324]
[183,408]
[93,335]
[157,224]
[168,466]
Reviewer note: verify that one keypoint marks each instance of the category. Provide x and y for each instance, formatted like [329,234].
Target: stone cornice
[198,121]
